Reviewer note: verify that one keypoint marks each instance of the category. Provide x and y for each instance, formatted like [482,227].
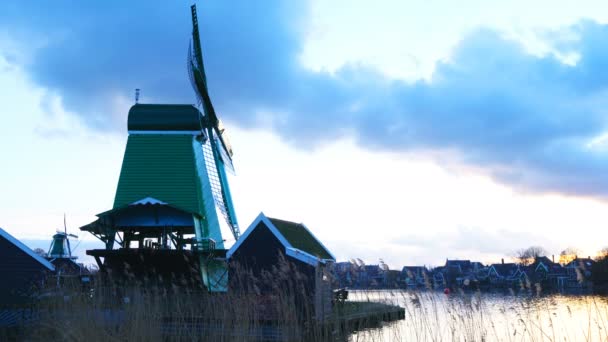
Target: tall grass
[274,307]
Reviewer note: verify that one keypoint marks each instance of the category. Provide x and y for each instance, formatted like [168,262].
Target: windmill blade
[224,153]
[198,79]
[217,150]
[78,244]
[219,185]
[73,235]
[65,226]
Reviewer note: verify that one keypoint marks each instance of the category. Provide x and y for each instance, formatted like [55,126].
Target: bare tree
[568,254]
[526,256]
[603,253]
[40,252]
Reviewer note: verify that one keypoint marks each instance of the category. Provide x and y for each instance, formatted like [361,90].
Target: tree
[526,256]
[599,273]
[568,254]
[603,253]
[40,252]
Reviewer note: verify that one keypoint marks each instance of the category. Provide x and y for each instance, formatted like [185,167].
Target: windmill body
[60,247]
[172,185]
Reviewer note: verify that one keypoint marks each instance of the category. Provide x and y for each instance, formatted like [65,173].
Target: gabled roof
[581,262]
[4,234]
[298,241]
[414,269]
[460,265]
[301,238]
[148,202]
[504,270]
[544,260]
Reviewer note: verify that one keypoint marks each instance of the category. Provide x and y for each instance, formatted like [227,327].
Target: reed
[274,307]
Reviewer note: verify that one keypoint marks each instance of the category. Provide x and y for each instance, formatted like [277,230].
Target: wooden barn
[277,255]
[23,271]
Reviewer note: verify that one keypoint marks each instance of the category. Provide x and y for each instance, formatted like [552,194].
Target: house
[23,271]
[439,280]
[584,264]
[461,272]
[343,274]
[415,276]
[579,272]
[371,276]
[505,274]
[547,274]
[392,279]
[459,266]
[277,254]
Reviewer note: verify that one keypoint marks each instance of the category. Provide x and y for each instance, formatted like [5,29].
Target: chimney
[553,258]
[502,260]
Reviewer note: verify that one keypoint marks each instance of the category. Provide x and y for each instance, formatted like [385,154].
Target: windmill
[217,149]
[172,190]
[60,246]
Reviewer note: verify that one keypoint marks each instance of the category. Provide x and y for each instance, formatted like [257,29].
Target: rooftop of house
[505,270]
[414,269]
[461,263]
[581,262]
[301,238]
[25,249]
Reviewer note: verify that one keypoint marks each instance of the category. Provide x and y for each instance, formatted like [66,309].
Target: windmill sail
[217,149]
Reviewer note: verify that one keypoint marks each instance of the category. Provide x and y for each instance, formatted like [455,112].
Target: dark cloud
[525,119]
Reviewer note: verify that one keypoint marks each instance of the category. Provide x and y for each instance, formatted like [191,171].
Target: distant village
[537,274]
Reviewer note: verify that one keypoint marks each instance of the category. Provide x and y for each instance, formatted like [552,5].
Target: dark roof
[23,250]
[581,262]
[460,265]
[164,117]
[544,260]
[505,270]
[299,237]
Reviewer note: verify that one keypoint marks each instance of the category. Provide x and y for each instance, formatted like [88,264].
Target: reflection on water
[433,316]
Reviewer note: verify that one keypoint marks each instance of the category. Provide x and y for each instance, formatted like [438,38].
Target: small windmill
[60,246]
[216,147]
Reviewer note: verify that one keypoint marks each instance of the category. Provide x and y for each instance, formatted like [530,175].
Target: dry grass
[273,309]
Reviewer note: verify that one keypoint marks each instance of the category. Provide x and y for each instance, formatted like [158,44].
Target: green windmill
[60,245]
[172,189]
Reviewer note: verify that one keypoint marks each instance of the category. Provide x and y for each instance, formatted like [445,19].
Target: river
[434,316]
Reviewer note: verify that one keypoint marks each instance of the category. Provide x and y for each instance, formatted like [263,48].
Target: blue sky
[392,130]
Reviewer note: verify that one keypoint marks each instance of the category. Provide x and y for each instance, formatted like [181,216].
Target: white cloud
[404,39]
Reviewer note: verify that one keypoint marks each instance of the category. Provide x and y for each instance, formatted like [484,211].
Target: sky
[407,131]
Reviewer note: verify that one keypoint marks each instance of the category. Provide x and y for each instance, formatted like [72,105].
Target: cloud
[527,120]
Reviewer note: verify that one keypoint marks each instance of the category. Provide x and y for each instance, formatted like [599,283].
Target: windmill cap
[164,117]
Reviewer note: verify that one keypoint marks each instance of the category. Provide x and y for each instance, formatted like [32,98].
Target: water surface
[434,316]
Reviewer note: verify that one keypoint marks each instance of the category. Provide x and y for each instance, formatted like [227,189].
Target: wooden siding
[21,274]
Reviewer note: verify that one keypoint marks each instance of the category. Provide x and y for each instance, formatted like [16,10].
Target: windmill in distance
[60,246]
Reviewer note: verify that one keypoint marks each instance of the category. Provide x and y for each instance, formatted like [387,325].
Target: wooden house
[274,256]
[416,276]
[23,271]
[504,274]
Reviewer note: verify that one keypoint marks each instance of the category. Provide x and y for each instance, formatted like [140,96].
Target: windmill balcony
[205,245]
